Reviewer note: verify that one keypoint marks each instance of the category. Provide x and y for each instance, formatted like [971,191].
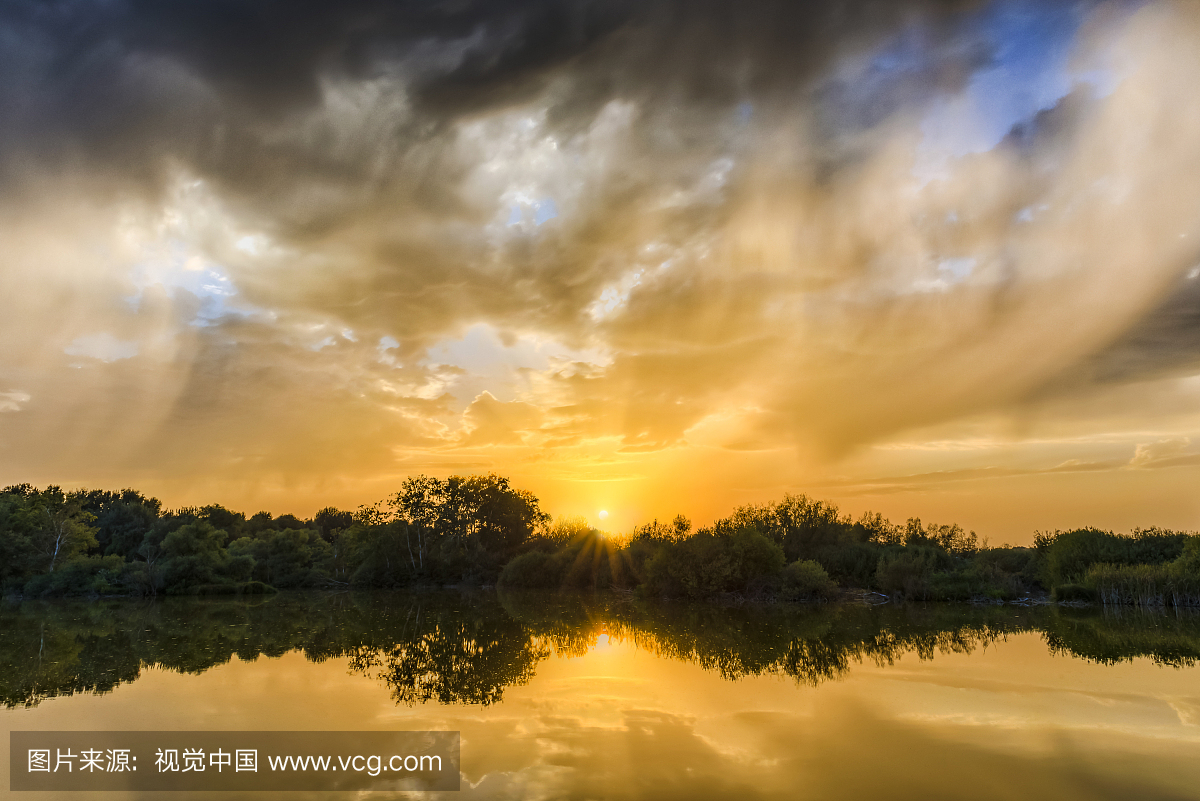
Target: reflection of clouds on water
[842,751]
[1188,710]
[921,711]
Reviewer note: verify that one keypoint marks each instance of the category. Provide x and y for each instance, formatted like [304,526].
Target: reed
[1144,585]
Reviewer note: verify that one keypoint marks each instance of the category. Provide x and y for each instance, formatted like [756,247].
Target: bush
[707,564]
[806,581]
[907,573]
[1070,554]
[957,586]
[1014,560]
[1175,584]
[210,589]
[975,582]
[533,570]
[589,561]
[851,564]
[287,557]
[1073,593]
[229,588]
[194,555]
[92,575]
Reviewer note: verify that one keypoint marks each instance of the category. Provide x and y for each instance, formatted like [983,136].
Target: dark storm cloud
[121,86]
[242,94]
[1165,342]
[124,82]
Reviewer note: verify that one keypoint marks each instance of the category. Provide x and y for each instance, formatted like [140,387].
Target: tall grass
[1144,585]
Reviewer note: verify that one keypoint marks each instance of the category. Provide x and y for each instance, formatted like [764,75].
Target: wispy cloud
[13,401]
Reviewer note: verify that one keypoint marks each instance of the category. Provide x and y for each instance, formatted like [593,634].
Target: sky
[931,259]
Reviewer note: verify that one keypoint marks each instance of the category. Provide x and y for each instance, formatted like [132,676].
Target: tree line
[433,531]
[481,530]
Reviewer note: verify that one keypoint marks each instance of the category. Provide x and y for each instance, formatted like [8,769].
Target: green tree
[707,564]
[16,544]
[122,519]
[332,524]
[60,528]
[286,558]
[195,555]
[798,524]
[480,519]
[380,552]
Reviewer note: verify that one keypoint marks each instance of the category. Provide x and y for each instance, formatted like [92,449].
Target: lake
[608,697]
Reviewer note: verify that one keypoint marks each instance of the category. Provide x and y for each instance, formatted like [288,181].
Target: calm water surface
[605,698]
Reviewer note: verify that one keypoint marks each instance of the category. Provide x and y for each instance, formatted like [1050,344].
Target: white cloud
[387,344]
[104,347]
[13,401]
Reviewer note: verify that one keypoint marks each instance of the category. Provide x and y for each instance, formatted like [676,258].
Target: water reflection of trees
[811,644]
[450,656]
[456,648]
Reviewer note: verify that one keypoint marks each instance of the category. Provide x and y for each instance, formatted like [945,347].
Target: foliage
[852,563]
[950,538]
[655,531]
[588,560]
[1074,593]
[194,556]
[1068,555]
[908,573]
[464,528]
[1174,584]
[94,575]
[121,519]
[741,560]
[531,570]
[287,558]
[40,531]
[480,529]
[806,581]
[799,525]
[385,554]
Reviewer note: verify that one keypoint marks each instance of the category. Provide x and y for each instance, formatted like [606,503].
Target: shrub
[231,588]
[957,586]
[1070,554]
[1073,593]
[851,563]
[211,589]
[287,557]
[1174,584]
[533,570]
[1014,560]
[707,564]
[907,573]
[92,575]
[975,582]
[806,580]
[587,561]
[195,555]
